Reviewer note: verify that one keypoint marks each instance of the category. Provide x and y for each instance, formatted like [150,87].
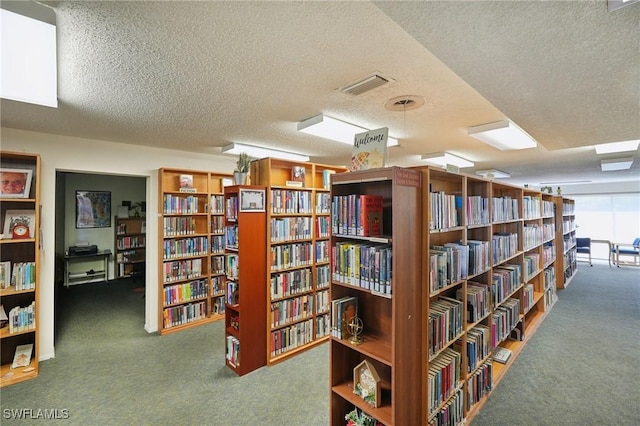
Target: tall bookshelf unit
[245,256]
[130,246]
[19,296]
[488,261]
[297,274]
[393,326]
[191,255]
[566,266]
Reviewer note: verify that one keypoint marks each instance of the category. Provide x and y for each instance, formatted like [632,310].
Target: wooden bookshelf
[393,323]
[26,251]
[191,282]
[566,265]
[487,256]
[298,217]
[246,307]
[130,246]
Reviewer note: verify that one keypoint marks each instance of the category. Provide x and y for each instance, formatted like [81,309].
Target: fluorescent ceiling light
[493,173]
[616,164]
[444,158]
[29,71]
[504,135]
[334,129]
[259,152]
[608,148]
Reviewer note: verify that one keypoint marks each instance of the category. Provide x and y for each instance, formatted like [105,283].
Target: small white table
[92,275]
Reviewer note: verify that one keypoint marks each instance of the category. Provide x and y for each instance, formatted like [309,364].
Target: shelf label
[407,178]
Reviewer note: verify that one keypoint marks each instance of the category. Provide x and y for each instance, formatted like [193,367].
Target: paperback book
[22,357]
[501,354]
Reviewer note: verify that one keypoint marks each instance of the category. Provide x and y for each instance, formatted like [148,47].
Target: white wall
[63,153]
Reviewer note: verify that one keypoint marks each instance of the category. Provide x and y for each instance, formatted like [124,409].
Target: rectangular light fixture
[29,69]
[609,148]
[503,135]
[493,173]
[334,129]
[616,164]
[259,152]
[444,158]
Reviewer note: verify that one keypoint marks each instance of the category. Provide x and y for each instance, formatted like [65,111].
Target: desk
[92,275]
[608,243]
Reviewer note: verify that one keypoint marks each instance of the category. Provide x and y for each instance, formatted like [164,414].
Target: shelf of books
[245,262]
[566,265]
[297,274]
[377,298]
[19,264]
[130,246]
[191,266]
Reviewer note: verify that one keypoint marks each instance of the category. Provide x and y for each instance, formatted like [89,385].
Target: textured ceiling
[197,75]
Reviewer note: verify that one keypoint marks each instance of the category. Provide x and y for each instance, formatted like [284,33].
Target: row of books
[548,208]
[183,247]
[453,262]
[446,323]
[451,413]
[290,256]
[217,224]
[286,339]
[124,243]
[549,277]
[569,242]
[184,314]
[323,227]
[548,231]
[359,215]
[217,286]
[323,276]
[289,201]
[505,318]
[216,204]
[179,204]
[289,310]
[478,345]
[290,229]
[323,203]
[368,266]
[446,210]
[217,244]
[503,246]
[322,251]
[531,207]
[479,384]
[231,236]
[21,275]
[477,210]
[289,283]
[531,236]
[218,265]
[176,226]
[231,210]
[233,292]
[527,297]
[443,378]
[22,318]
[478,301]
[568,225]
[185,292]
[343,310]
[323,326]
[232,265]
[233,351]
[506,279]
[323,302]
[179,270]
[531,264]
[504,209]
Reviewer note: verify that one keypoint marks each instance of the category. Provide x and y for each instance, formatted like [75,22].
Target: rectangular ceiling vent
[368,83]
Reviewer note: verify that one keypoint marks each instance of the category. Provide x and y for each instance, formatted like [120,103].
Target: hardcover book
[298,174]
[370,150]
[370,217]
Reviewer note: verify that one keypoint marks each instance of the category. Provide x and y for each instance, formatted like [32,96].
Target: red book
[370,216]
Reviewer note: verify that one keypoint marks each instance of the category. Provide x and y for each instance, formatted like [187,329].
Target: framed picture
[15,183]
[252,200]
[93,209]
[13,218]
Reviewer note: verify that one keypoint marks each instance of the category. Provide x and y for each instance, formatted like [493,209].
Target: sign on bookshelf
[370,150]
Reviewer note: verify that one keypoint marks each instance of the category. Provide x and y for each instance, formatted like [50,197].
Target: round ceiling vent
[404,103]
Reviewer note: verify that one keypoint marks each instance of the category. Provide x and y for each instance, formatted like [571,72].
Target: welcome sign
[370,150]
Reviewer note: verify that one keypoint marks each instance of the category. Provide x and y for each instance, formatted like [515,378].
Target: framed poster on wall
[93,209]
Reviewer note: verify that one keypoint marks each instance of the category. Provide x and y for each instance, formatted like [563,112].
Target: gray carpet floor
[580,368]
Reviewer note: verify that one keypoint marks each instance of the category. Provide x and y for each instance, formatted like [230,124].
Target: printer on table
[83,249]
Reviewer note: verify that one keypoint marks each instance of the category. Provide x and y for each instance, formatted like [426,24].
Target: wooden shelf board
[17,374]
[281,357]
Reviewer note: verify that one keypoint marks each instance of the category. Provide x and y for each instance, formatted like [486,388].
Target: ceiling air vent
[368,83]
